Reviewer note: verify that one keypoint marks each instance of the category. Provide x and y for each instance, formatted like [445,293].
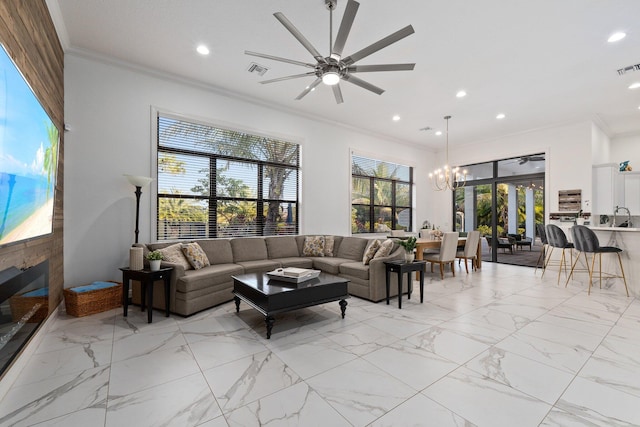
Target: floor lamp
[138,182]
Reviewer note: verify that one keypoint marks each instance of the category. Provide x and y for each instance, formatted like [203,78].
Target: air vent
[625,70]
[257,68]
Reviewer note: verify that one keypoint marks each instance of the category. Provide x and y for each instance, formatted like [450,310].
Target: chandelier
[448,178]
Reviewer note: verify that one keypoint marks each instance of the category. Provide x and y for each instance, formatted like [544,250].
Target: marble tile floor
[497,347]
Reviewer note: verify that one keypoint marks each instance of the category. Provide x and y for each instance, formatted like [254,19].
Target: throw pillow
[195,255]
[370,252]
[385,249]
[329,243]
[174,255]
[313,246]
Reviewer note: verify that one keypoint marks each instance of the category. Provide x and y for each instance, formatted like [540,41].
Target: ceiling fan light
[330,78]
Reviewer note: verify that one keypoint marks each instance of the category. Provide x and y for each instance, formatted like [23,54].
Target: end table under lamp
[135,253]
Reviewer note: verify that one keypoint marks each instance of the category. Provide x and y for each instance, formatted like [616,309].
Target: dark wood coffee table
[270,296]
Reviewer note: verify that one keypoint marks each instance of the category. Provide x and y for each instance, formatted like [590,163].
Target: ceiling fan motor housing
[333,68]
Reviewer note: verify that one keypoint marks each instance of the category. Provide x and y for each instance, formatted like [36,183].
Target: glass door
[504,200]
[519,207]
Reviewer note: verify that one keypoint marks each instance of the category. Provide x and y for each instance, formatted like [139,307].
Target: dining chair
[447,253]
[586,241]
[470,251]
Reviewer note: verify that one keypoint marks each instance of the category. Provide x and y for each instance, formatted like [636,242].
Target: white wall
[108,111]
[626,148]
[600,146]
[568,161]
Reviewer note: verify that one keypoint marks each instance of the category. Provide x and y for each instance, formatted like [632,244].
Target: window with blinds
[215,182]
[381,196]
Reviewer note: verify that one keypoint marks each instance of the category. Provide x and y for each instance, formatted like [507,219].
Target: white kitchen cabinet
[606,189]
[631,190]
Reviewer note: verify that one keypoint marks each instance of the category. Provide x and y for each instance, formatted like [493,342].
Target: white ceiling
[542,62]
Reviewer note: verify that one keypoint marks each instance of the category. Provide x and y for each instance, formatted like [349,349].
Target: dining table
[424,243]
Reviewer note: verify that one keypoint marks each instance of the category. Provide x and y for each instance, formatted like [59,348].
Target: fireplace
[24,296]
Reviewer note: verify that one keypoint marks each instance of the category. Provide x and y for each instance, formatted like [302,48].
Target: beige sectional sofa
[196,290]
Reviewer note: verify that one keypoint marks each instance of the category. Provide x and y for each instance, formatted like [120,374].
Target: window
[215,182]
[381,196]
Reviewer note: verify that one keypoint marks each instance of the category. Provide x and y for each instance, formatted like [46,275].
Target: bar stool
[545,246]
[557,239]
[586,241]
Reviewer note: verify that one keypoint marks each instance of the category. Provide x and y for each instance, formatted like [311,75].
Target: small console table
[402,267]
[146,278]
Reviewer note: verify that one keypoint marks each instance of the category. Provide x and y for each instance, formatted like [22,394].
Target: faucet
[615,213]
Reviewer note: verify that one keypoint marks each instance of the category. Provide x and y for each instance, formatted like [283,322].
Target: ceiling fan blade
[295,76]
[309,88]
[298,35]
[359,82]
[382,67]
[277,58]
[380,44]
[337,93]
[345,26]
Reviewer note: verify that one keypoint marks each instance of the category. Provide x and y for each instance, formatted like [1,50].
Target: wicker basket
[21,305]
[80,304]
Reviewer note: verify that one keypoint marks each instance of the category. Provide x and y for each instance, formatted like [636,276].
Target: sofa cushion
[282,247]
[195,255]
[300,262]
[385,249]
[313,246]
[329,265]
[352,248]
[370,252]
[248,249]
[173,254]
[355,269]
[259,265]
[218,250]
[207,276]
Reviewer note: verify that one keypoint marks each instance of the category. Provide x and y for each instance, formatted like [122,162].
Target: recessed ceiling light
[461,94]
[615,37]
[396,118]
[500,116]
[202,50]
[635,85]
[439,133]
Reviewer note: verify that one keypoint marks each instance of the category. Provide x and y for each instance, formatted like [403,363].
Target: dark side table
[402,267]
[146,278]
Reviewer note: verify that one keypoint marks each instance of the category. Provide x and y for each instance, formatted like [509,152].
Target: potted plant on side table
[409,246]
[155,258]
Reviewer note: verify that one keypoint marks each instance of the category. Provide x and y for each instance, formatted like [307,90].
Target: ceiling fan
[333,68]
[525,159]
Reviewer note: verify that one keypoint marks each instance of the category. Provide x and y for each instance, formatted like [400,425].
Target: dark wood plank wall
[28,34]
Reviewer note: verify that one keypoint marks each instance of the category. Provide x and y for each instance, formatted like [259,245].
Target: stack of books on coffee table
[293,274]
